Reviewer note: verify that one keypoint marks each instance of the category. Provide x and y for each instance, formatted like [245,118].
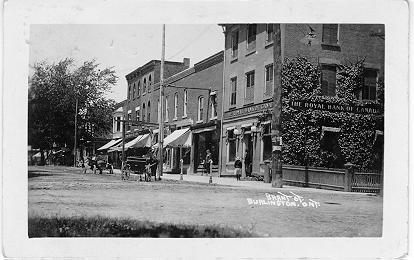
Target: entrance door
[248,154]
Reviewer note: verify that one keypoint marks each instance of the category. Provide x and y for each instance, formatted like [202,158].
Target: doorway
[248,154]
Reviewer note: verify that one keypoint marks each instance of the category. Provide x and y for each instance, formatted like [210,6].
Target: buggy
[136,165]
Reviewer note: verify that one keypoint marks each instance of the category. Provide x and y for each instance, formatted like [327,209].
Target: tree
[53,90]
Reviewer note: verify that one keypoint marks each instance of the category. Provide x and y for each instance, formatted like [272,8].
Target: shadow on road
[38,173]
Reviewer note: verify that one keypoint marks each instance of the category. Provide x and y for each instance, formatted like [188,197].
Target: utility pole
[76,129]
[277,109]
[161,131]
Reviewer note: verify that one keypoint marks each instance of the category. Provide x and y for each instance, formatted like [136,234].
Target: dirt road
[60,191]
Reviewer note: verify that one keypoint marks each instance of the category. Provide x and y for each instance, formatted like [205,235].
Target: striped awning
[178,138]
[109,144]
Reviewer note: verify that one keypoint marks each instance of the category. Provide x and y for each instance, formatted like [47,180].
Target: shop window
[231,145]
[328,81]
[233,94]
[331,154]
[249,94]
[251,37]
[200,108]
[330,34]
[185,103]
[149,112]
[143,112]
[235,44]
[267,142]
[269,33]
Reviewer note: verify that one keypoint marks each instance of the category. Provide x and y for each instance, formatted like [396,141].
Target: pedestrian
[208,161]
[237,167]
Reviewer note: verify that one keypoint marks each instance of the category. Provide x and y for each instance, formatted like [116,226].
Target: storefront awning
[109,144]
[139,141]
[206,129]
[178,138]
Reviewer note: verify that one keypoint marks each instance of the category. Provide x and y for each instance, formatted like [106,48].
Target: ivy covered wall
[302,128]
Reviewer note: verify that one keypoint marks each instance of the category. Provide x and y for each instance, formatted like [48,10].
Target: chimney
[186,62]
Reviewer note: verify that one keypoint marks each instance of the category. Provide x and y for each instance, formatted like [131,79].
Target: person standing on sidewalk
[237,168]
[207,161]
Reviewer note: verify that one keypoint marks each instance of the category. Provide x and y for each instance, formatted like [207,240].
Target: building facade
[248,79]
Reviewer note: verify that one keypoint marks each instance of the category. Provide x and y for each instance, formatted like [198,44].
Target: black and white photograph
[206,131]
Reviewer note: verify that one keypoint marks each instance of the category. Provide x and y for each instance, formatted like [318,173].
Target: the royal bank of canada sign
[366,109]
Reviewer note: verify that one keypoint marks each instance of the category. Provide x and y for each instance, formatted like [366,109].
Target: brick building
[193,100]
[248,78]
[142,91]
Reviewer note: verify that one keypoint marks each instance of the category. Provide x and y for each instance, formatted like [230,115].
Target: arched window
[144,86]
[138,88]
[200,108]
[149,83]
[143,112]
[149,111]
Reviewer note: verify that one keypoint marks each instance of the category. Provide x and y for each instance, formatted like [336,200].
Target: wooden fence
[331,179]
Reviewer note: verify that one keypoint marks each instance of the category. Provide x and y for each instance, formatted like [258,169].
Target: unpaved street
[62,191]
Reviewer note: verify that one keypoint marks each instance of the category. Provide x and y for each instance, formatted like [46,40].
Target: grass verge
[112,227]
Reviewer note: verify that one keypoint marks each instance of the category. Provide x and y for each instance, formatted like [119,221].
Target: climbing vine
[302,128]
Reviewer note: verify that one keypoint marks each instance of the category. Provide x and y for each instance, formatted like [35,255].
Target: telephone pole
[277,181]
[76,135]
[161,114]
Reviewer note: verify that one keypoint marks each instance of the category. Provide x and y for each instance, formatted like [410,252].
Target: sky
[124,47]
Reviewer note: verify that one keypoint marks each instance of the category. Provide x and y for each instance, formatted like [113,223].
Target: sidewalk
[229,181]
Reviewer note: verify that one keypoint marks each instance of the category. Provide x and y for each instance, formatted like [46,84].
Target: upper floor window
[175,105]
[249,95]
[251,37]
[233,86]
[269,33]
[137,113]
[185,103]
[129,92]
[330,34]
[235,44]
[369,88]
[149,112]
[144,86]
[143,112]
[166,109]
[118,124]
[128,124]
[213,105]
[149,83]
[200,108]
[133,91]
[328,81]
[138,88]
[268,79]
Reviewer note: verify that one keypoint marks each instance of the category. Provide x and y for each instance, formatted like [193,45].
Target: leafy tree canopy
[53,90]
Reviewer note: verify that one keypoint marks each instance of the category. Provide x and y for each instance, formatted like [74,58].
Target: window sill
[213,118]
[268,44]
[233,60]
[331,46]
[250,52]
[199,122]
[184,117]
[175,119]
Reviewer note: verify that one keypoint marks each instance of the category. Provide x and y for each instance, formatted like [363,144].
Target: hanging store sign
[248,110]
[367,109]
